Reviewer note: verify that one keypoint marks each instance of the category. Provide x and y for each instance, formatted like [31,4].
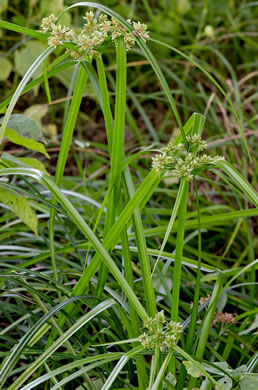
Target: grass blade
[179,251]
[23,30]
[73,329]
[238,180]
[63,154]
[162,371]
[32,69]
[45,180]
[39,80]
[17,350]
[174,213]
[207,324]
[122,362]
[117,149]
[71,366]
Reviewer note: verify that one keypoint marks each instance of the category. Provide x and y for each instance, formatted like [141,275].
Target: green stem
[161,374]
[109,123]
[179,253]
[144,259]
[117,149]
[45,75]
[135,328]
[178,261]
[23,30]
[142,249]
[66,142]
[140,237]
[194,314]
[207,324]
[119,124]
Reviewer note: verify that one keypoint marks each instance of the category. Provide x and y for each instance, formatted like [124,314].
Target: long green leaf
[62,157]
[94,80]
[106,101]
[206,221]
[179,251]
[178,201]
[117,149]
[122,362]
[82,371]
[46,181]
[37,275]
[18,349]
[73,329]
[32,69]
[238,180]
[70,366]
[23,30]
[137,222]
[162,371]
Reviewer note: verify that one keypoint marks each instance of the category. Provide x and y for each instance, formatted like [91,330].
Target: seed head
[47,23]
[160,333]
[54,42]
[93,34]
[181,162]
[129,40]
[224,318]
[148,322]
[171,340]
[160,317]
[209,31]
[146,341]
[140,30]
[175,327]
[74,54]
[157,163]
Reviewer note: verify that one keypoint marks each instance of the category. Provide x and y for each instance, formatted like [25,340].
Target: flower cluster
[202,300]
[224,318]
[181,162]
[47,23]
[93,34]
[160,333]
[196,141]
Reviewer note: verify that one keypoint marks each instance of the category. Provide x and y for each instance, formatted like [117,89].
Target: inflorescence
[160,333]
[94,33]
[181,162]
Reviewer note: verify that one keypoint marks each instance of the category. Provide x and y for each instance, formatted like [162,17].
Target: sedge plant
[123,321]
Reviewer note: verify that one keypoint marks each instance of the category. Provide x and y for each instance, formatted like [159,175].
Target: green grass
[119,243]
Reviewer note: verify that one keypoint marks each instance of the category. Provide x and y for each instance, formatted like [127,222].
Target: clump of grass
[108,295]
